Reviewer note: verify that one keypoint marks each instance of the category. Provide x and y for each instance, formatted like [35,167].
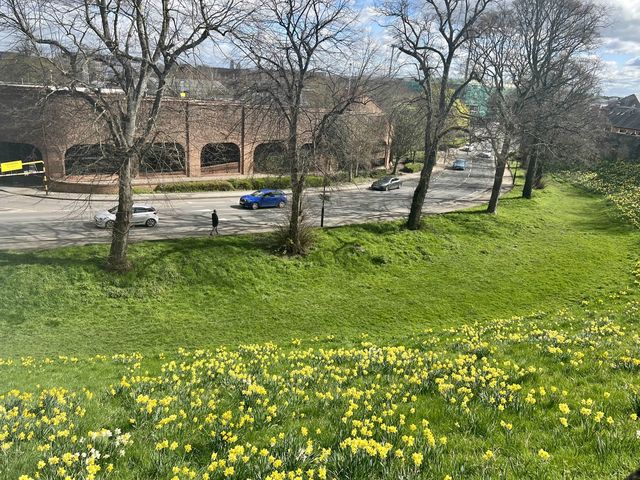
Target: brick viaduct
[58,125]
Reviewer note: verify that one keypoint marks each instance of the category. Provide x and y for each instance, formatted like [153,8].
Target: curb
[169,196]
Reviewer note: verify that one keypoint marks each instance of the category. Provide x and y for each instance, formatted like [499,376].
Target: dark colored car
[459,164]
[264,198]
[386,183]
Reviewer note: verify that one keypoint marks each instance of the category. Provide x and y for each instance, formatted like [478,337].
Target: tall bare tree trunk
[118,259]
[501,164]
[297,189]
[393,160]
[537,180]
[415,214]
[532,165]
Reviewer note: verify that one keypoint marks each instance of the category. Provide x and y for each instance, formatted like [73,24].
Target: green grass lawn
[480,347]
[377,278]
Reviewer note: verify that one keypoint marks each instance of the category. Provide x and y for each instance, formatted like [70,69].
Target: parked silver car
[386,183]
[142,215]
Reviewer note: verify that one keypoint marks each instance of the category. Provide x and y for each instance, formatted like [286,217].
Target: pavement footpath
[111,197]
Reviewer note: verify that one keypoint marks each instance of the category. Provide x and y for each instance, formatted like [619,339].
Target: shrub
[418,156]
[242,183]
[282,241]
[278,182]
[456,142]
[378,173]
[209,186]
[412,167]
[316,181]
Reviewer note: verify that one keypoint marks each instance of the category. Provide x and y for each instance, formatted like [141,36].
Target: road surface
[28,222]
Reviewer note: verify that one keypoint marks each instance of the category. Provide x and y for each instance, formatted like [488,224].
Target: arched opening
[270,157]
[162,158]
[220,158]
[307,149]
[19,151]
[91,159]
[10,151]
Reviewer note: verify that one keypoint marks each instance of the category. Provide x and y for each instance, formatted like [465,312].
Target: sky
[620,50]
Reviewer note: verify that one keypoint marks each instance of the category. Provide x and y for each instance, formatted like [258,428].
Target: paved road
[31,222]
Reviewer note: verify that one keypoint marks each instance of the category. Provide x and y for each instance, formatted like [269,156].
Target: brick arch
[27,152]
[221,157]
[163,157]
[268,157]
[90,159]
[19,151]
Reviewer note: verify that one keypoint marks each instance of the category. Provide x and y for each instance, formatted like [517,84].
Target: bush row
[253,183]
[412,167]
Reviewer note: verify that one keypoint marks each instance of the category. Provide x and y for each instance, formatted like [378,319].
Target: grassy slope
[377,279]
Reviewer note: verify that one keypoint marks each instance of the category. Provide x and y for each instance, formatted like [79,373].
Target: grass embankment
[619,182]
[378,279]
[480,347]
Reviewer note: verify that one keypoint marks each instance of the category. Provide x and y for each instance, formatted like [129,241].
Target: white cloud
[620,79]
[617,46]
[623,17]
[634,62]
[621,40]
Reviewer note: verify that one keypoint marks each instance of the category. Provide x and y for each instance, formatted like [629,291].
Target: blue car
[264,198]
[459,164]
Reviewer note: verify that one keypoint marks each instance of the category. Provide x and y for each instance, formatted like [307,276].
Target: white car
[484,155]
[142,215]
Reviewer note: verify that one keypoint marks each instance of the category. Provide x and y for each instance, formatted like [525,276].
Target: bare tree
[290,42]
[351,143]
[405,119]
[500,53]
[433,34]
[555,35]
[135,44]
[571,130]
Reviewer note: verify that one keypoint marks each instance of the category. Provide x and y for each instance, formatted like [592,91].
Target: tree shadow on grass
[381,228]
[45,258]
[214,246]
[90,259]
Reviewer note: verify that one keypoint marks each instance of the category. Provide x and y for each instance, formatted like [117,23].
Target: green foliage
[270,182]
[379,173]
[184,187]
[456,142]
[251,183]
[412,167]
[243,184]
[417,156]
[315,181]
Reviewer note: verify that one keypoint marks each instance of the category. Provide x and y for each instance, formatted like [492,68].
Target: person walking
[214,223]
